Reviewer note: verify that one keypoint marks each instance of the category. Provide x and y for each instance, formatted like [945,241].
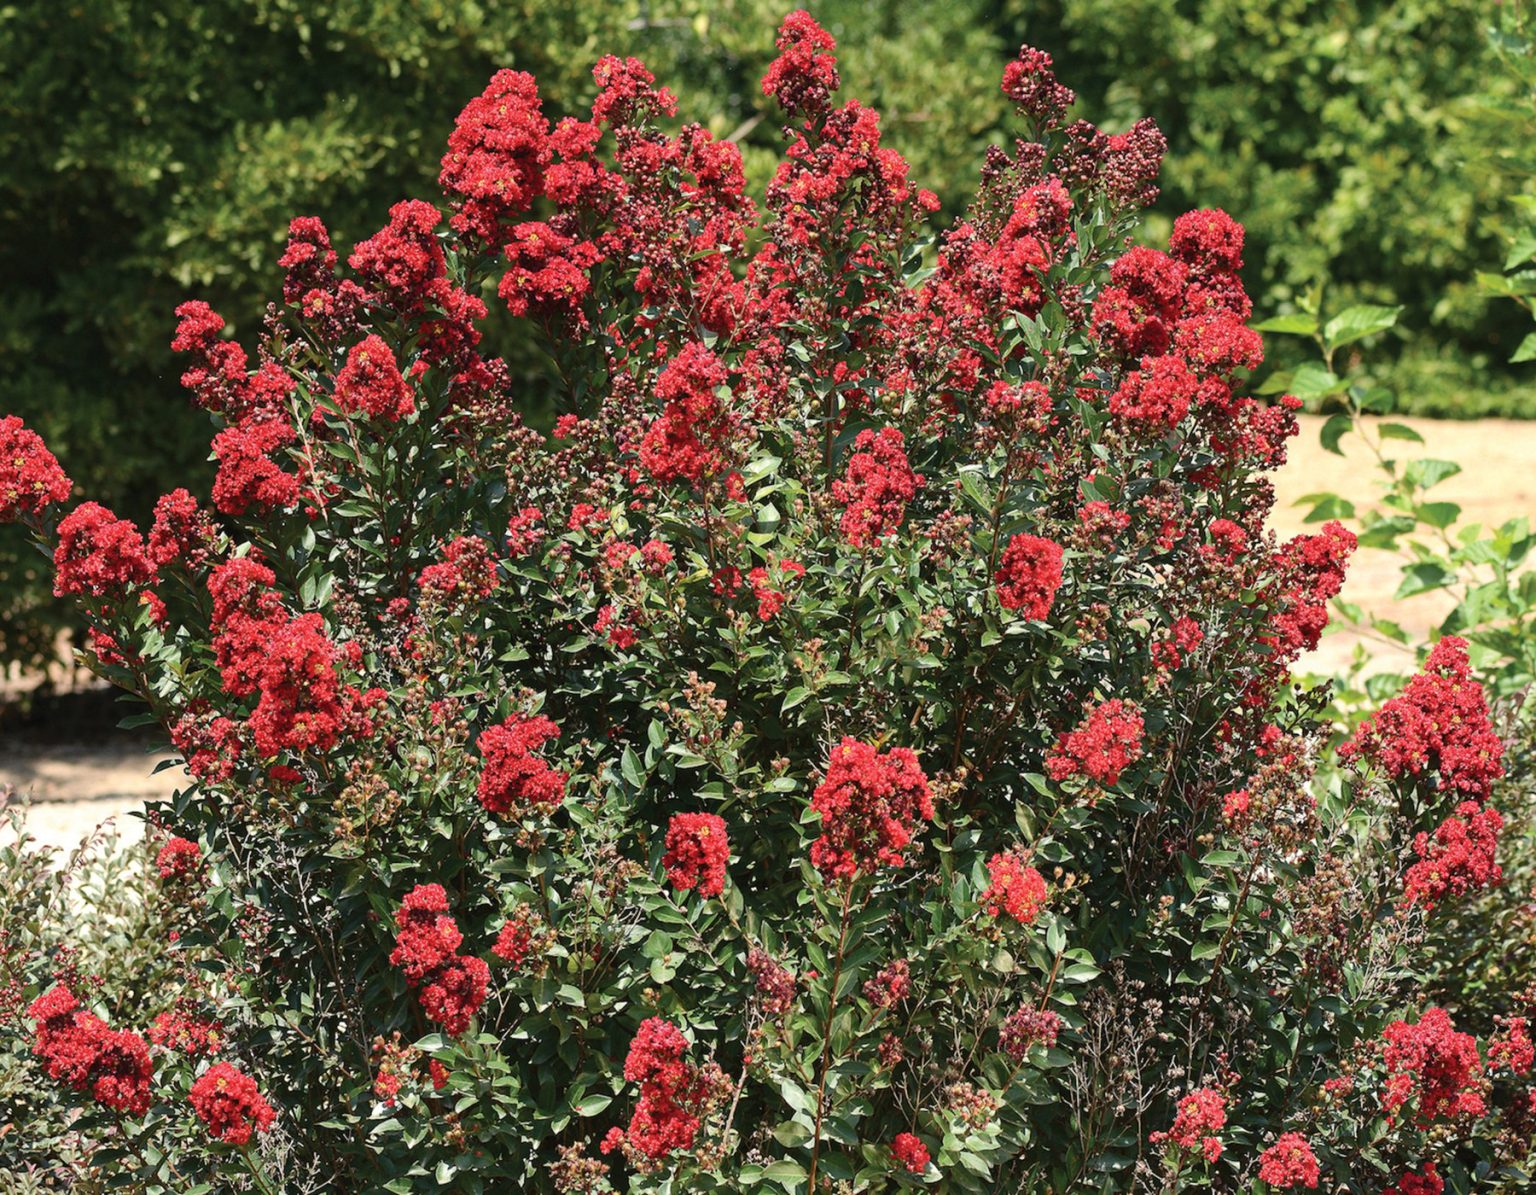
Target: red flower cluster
[1031,83]
[230,1104]
[178,857]
[1460,857]
[1427,1182]
[876,487]
[1512,1050]
[182,532]
[1310,571]
[1432,1063]
[1103,745]
[697,852]
[890,985]
[185,1034]
[1025,1028]
[451,986]
[248,478]
[1158,396]
[1288,1163]
[774,984]
[688,440]
[466,571]
[1201,1115]
[1016,888]
[494,167]
[770,600]
[1438,724]
[910,1152]
[870,805]
[401,260]
[291,664]
[666,1116]
[547,272]
[99,554]
[1029,576]
[804,75]
[302,704]
[218,378]
[524,934]
[524,532]
[30,477]
[515,782]
[370,384]
[84,1054]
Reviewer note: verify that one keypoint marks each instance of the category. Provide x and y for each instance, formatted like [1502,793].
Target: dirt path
[76,787]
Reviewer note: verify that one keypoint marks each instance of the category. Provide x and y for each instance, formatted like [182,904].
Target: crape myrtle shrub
[855,750]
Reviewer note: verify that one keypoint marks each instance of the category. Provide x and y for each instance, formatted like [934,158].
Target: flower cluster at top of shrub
[860,728]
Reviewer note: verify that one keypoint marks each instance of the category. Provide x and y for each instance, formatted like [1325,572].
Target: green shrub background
[151,151]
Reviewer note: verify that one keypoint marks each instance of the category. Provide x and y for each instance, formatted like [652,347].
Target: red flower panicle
[1016,890]
[230,1104]
[910,1152]
[774,984]
[248,478]
[688,441]
[179,857]
[370,384]
[804,75]
[1106,742]
[30,477]
[1426,1182]
[99,554]
[1288,1163]
[1030,82]
[182,532]
[81,1051]
[514,781]
[1029,575]
[876,487]
[1201,1115]
[673,1093]
[890,985]
[193,1036]
[697,852]
[497,152]
[465,572]
[401,260]
[1435,1066]
[1460,857]
[871,804]
[450,987]
[1439,724]
[1025,1028]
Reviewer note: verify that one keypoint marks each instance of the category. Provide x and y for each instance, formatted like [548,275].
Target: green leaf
[1399,431]
[1427,473]
[1356,323]
[1202,950]
[1523,249]
[1299,324]
[1438,514]
[1337,427]
[1313,381]
[593,1104]
[1526,351]
[1423,577]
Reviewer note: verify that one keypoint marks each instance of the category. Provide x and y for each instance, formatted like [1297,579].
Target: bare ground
[74,787]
